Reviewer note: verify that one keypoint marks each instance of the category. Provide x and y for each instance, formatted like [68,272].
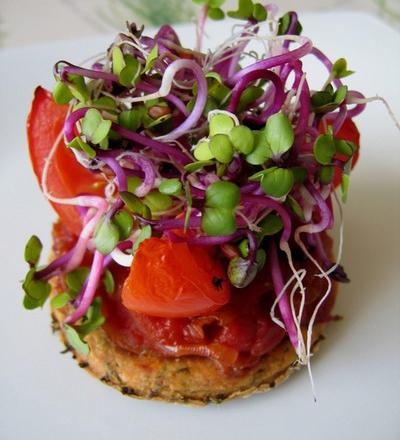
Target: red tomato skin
[66,177]
[171,280]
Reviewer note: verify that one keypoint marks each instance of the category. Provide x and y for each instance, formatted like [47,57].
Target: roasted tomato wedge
[348,132]
[171,280]
[66,177]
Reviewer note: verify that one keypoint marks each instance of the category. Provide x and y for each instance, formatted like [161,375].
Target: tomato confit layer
[235,335]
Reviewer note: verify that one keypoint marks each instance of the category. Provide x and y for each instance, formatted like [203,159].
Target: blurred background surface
[24,22]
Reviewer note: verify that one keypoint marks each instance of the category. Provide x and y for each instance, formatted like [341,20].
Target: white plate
[44,394]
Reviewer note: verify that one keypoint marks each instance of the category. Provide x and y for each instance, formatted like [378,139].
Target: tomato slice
[348,132]
[171,280]
[66,177]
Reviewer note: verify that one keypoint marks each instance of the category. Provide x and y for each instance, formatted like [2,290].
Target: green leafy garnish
[261,151]
[144,234]
[75,341]
[270,225]
[284,25]
[242,139]
[134,204]
[124,222]
[222,194]
[324,149]
[294,205]
[221,148]
[94,126]
[59,301]
[241,272]
[171,187]
[76,278]
[218,221]
[37,290]
[61,93]
[79,144]
[339,69]
[106,236]
[202,151]
[196,166]
[93,318]
[108,281]
[157,201]
[151,58]
[33,249]
[279,134]
[221,123]
[132,119]
[278,182]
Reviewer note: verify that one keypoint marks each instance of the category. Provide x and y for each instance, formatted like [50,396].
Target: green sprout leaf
[37,290]
[75,341]
[345,147]
[171,187]
[76,278]
[279,133]
[222,194]
[294,205]
[221,123]
[78,88]
[259,12]
[132,119]
[202,151]
[324,149]
[106,237]
[59,301]
[33,249]
[260,174]
[340,95]
[196,166]
[133,203]
[124,222]
[130,72]
[270,225]
[241,272]
[118,61]
[326,174]
[218,221]
[242,139]
[339,69]
[144,234]
[158,202]
[31,303]
[244,11]
[346,180]
[106,103]
[78,144]
[243,247]
[261,151]
[249,95]
[284,25]
[93,318]
[108,281]
[222,148]
[151,58]
[61,93]
[261,258]
[216,13]
[94,126]
[189,204]
[278,182]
